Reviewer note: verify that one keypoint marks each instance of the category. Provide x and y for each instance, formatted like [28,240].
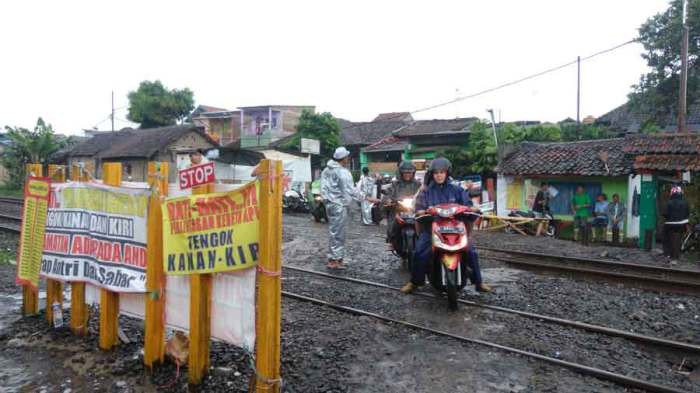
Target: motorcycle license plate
[450,229]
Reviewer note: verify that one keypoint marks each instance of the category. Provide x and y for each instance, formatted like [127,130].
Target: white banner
[97,234]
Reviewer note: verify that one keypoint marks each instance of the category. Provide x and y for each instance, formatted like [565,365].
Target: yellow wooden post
[78,308]
[200,316]
[54,288]
[154,349]
[109,301]
[30,297]
[267,321]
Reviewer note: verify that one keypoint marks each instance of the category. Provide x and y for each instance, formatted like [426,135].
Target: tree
[321,126]
[153,105]
[35,146]
[582,132]
[657,92]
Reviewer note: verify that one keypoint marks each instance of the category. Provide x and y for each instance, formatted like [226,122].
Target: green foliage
[153,105]
[657,91]
[35,146]
[650,127]
[321,126]
[582,132]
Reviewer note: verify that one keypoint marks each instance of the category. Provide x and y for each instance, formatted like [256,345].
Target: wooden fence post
[267,321]
[78,308]
[109,301]
[200,316]
[30,297]
[54,288]
[154,348]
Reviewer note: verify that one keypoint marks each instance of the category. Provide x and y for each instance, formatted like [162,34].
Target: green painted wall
[609,185]
[647,209]
[363,160]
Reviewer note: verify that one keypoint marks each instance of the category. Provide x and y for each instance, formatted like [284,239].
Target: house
[223,125]
[601,166]
[357,135]
[417,140]
[662,160]
[135,148]
[261,125]
[625,119]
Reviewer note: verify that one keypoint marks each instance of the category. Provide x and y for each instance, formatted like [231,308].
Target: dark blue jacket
[437,194]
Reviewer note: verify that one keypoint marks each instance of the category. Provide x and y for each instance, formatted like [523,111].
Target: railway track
[671,278]
[617,377]
[10,211]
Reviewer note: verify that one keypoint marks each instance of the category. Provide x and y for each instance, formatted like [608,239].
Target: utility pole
[684,72]
[493,126]
[578,90]
[112,115]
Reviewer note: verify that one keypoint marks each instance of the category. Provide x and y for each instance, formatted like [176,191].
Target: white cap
[340,153]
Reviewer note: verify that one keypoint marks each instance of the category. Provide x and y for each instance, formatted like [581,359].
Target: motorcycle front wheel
[451,276]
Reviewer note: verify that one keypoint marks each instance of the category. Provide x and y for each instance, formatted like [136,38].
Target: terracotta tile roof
[141,143]
[584,158]
[394,116]
[390,143]
[365,134]
[668,162]
[438,126]
[663,143]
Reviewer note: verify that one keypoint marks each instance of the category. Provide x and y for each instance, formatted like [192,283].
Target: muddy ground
[328,351]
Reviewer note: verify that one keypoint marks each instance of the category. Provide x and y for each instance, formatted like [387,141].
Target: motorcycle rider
[338,191]
[406,186]
[439,190]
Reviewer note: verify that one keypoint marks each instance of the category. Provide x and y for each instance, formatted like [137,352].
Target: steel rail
[602,262]
[692,285]
[620,379]
[560,321]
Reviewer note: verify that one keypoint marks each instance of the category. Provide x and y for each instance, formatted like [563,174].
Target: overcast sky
[61,59]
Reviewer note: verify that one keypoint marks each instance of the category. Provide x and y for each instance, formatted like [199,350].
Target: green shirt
[578,202]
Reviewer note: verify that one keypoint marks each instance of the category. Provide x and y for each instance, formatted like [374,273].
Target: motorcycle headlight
[446,212]
[407,203]
[317,198]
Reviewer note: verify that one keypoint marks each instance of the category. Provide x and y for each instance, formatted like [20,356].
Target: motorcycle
[405,244]
[550,231]
[448,271]
[294,201]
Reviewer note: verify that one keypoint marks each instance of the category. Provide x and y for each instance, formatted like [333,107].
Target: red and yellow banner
[210,233]
[36,203]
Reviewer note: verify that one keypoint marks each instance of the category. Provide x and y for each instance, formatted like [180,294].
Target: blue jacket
[436,194]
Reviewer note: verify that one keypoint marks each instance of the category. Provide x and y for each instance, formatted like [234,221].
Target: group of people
[603,217]
[338,192]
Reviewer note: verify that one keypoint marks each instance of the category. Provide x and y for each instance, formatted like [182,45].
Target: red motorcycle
[449,270]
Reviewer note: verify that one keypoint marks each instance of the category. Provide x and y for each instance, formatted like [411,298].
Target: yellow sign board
[210,233]
[36,204]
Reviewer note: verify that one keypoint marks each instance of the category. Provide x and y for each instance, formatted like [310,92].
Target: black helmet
[365,170]
[406,166]
[440,164]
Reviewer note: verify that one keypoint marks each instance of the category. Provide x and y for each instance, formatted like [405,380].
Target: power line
[507,84]
[533,76]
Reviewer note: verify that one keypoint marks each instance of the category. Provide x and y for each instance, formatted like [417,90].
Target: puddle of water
[12,378]
[501,275]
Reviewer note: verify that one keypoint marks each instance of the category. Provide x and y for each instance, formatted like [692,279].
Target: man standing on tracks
[338,191]
[367,188]
[580,206]
[677,214]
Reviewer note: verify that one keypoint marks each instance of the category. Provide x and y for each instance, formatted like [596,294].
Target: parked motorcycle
[550,231]
[294,201]
[405,244]
[449,269]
